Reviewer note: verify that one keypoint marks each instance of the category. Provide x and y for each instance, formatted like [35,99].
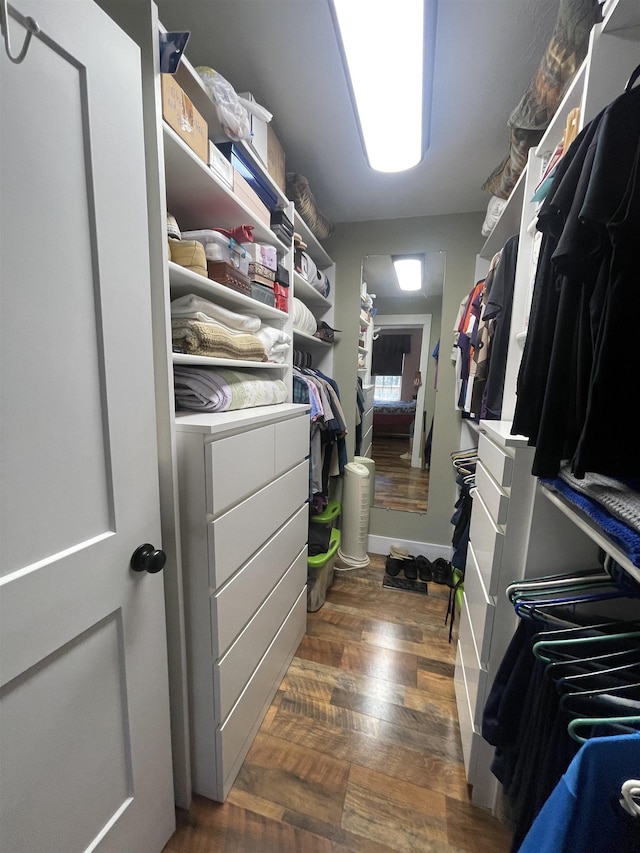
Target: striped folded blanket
[210,339]
[620,497]
[203,389]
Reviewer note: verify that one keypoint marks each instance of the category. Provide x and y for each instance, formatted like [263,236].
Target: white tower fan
[356,493]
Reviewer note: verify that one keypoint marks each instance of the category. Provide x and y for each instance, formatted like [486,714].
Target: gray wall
[460,237]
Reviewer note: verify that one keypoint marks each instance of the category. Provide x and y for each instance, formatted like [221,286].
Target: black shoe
[425,568]
[410,569]
[442,571]
[394,566]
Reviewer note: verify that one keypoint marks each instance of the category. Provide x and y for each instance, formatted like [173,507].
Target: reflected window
[387,388]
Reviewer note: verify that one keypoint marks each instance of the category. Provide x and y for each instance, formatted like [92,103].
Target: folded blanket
[190,305]
[276,343]
[219,390]
[196,338]
[619,497]
[620,533]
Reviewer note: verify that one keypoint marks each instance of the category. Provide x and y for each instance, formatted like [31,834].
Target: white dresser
[514,533]
[243,486]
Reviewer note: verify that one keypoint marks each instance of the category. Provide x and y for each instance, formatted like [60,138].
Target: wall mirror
[401,366]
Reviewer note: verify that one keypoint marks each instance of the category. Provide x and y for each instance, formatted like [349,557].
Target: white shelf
[188,78]
[588,526]
[199,199]
[622,15]
[184,281]
[509,223]
[237,419]
[572,99]
[314,247]
[207,361]
[311,297]
[309,340]
[363,350]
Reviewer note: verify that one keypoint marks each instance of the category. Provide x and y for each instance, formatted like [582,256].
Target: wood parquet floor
[360,750]
[398,485]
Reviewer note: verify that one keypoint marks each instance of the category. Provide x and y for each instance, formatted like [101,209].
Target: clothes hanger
[630,797]
[548,645]
[629,725]
[552,581]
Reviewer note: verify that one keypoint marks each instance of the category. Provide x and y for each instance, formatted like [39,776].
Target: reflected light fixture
[408,273]
[382,47]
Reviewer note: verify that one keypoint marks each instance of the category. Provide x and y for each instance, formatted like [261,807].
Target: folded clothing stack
[203,389]
[200,327]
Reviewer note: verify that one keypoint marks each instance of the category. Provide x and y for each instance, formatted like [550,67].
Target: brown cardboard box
[183,117]
[244,192]
[275,159]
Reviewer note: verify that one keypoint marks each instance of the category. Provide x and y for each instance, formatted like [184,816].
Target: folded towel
[219,390]
[196,338]
[189,305]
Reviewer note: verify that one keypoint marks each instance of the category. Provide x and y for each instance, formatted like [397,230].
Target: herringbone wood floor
[360,750]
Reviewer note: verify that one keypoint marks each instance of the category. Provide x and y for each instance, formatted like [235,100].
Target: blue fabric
[583,812]
[623,536]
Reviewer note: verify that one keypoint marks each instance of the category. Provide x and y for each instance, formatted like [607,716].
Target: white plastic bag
[233,111]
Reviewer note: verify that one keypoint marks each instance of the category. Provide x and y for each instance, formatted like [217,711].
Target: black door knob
[146,558]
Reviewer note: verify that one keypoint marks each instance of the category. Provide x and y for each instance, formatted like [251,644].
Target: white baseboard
[382,545]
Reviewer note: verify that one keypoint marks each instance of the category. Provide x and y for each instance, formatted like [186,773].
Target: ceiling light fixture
[408,273]
[382,46]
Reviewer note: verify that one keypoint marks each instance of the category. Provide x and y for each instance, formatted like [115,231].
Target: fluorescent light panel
[383,44]
[408,273]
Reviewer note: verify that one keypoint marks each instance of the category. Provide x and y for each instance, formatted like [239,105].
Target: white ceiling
[285,52]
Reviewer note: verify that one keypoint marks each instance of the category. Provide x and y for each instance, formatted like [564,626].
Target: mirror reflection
[401,367]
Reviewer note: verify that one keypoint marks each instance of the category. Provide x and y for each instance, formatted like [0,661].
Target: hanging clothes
[573,387]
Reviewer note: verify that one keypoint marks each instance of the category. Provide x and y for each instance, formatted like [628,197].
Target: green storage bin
[328,514]
[320,573]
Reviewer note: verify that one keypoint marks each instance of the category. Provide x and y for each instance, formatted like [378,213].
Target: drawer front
[496,460]
[481,607]
[238,600]
[238,466]
[488,540]
[292,442]
[470,656]
[234,737]
[496,501]
[367,441]
[464,711]
[240,532]
[368,392]
[367,421]
[232,673]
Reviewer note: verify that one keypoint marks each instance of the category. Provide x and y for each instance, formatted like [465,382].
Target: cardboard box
[249,197]
[183,117]
[219,164]
[258,138]
[276,159]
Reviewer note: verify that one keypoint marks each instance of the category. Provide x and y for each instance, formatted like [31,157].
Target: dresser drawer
[475,675]
[495,500]
[292,442]
[480,606]
[240,532]
[237,601]
[368,392]
[234,670]
[487,540]
[234,737]
[239,465]
[496,460]
[465,718]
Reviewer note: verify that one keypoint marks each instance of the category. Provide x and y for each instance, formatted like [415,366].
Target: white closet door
[84,729]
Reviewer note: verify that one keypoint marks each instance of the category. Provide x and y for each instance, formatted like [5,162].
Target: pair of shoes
[442,571]
[425,568]
[399,560]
